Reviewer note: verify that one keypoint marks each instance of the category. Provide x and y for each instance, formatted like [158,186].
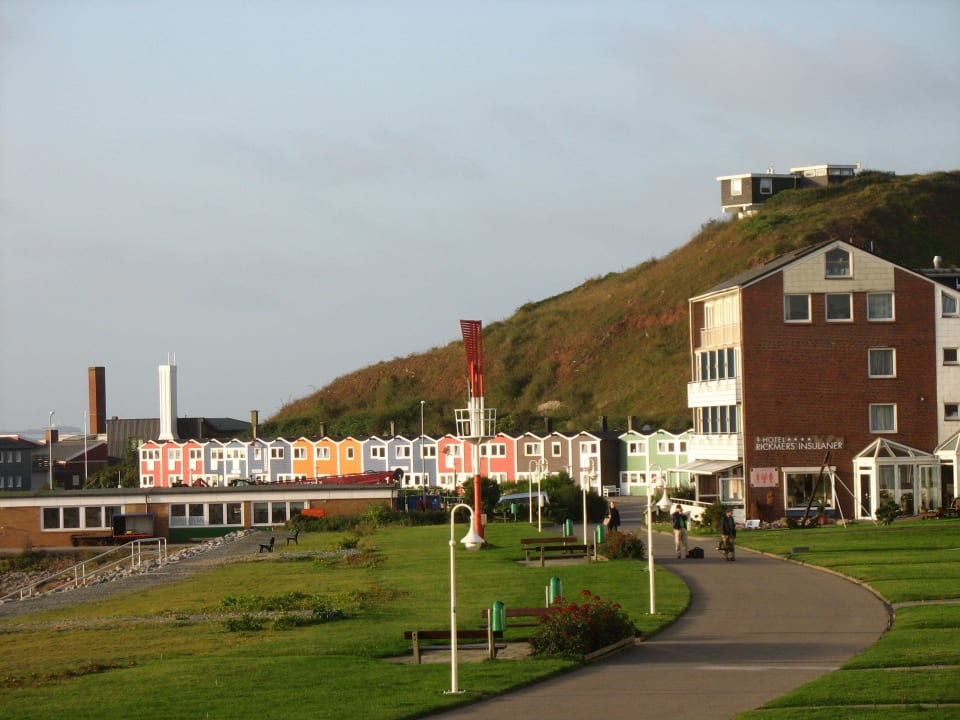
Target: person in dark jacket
[728,530]
[612,520]
[678,521]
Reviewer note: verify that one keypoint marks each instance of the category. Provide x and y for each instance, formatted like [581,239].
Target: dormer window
[838,264]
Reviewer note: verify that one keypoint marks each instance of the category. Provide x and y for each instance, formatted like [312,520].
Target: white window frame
[849,308]
[766,186]
[321,453]
[949,305]
[556,449]
[951,356]
[428,451]
[882,430]
[637,447]
[835,267]
[351,453]
[787,308]
[881,318]
[403,451]
[736,187]
[378,452]
[299,453]
[892,353]
[533,448]
[276,453]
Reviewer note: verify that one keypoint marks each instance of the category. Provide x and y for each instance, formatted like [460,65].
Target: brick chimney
[97,403]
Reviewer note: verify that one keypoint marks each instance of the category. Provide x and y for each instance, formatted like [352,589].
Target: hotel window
[736,186]
[378,451]
[766,186]
[839,307]
[883,418]
[796,308]
[950,356]
[838,264]
[879,306]
[321,453]
[718,420]
[948,305]
[882,362]
[800,487]
[718,364]
[951,411]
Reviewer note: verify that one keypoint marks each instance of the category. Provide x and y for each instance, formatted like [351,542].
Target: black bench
[417,636]
[536,613]
[529,544]
[267,546]
[294,537]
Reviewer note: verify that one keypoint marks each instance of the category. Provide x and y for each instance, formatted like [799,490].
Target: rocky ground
[183,562]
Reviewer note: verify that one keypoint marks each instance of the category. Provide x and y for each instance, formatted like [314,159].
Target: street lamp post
[85,470]
[472,541]
[422,480]
[650,567]
[50,446]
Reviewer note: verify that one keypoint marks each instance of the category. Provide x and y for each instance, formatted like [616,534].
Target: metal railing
[133,555]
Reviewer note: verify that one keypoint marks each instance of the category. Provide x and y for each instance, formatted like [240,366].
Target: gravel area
[183,562]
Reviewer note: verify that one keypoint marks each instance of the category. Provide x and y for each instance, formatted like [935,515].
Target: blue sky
[282,192]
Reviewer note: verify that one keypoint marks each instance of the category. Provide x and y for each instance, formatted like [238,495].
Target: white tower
[168,402]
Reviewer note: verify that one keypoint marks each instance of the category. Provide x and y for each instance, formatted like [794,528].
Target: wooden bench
[529,544]
[417,636]
[535,613]
[268,547]
[294,537]
[563,552]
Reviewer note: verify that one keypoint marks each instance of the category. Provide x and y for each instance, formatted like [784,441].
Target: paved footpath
[755,629]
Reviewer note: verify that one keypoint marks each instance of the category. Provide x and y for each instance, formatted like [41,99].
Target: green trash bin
[567,527]
[498,617]
[514,510]
[555,589]
[601,534]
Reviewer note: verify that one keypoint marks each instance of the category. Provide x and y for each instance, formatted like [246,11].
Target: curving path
[755,629]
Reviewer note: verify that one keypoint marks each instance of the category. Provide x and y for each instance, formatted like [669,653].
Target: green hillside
[618,345]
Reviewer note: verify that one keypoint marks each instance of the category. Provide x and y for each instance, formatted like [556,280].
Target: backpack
[695,552]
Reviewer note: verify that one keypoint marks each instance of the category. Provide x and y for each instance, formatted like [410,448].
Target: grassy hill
[618,345]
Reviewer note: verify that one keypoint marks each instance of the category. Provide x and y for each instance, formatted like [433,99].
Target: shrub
[577,630]
[244,623]
[888,511]
[622,546]
[713,516]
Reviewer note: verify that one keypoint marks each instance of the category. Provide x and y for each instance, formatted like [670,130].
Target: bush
[621,546]
[713,516]
[888,511]
[577,630]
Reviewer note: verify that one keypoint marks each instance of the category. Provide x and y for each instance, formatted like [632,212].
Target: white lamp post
[422,479]
[472,540]
[650,568]
[50,446]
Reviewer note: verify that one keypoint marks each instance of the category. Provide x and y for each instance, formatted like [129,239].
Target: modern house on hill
[828,376]
[746,192]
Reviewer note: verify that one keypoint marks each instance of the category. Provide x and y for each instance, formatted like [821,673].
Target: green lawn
[163,653]
[913,671]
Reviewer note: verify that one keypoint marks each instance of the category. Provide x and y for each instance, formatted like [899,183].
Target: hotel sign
[780,443]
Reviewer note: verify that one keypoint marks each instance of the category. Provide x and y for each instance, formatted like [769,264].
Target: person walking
[728,531]
[679,523]
[612,520]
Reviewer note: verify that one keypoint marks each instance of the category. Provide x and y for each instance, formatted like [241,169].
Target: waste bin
[514,510]
[498,616]
[555,590]
[567,527]
[601,534]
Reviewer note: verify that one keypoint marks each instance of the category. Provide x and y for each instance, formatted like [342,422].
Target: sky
[275,193]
